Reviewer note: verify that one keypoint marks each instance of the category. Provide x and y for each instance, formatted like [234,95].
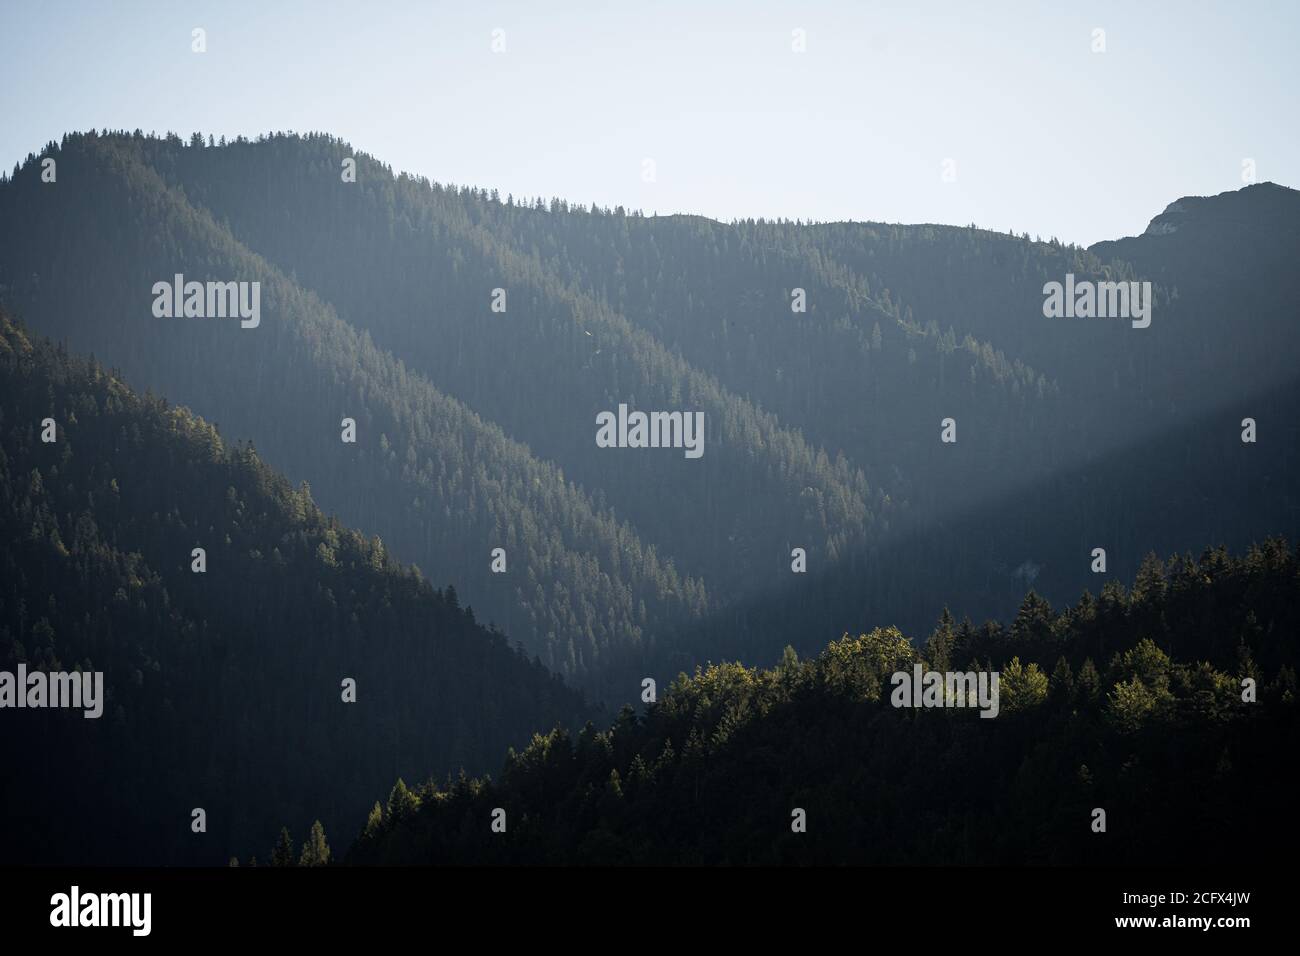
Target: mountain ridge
[904,326]
[225,682]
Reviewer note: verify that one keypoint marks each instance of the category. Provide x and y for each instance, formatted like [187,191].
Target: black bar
[951,904]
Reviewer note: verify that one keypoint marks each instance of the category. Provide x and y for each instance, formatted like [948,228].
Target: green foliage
[1022,688]
[1131,704]
[282,852]
[821,425]
[476,433]
[228,681]
[710,772]
[315,851]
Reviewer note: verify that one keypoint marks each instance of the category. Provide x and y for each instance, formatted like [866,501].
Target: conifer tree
[315,851]
[282,854]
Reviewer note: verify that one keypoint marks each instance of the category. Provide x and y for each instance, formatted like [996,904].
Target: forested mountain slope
[434,479]
[822,427]
[666,309]
[1170,706]
[224,689]
[862,373]
[1223,282]
[1230,262]
[416,266]
[1152,493]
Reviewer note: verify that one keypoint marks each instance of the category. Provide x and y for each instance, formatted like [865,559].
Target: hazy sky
[1046,136]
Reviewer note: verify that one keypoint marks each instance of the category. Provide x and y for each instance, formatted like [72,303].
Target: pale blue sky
[1047,136]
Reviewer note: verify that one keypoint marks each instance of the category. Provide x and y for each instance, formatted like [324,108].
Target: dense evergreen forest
[1135,702]
[438,482]
[473,339]
[822,426]
[224,688]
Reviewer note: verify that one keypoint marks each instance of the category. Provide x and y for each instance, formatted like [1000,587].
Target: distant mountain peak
[1257,203]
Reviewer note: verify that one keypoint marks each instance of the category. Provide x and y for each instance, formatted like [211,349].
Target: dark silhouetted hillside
[223,687]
